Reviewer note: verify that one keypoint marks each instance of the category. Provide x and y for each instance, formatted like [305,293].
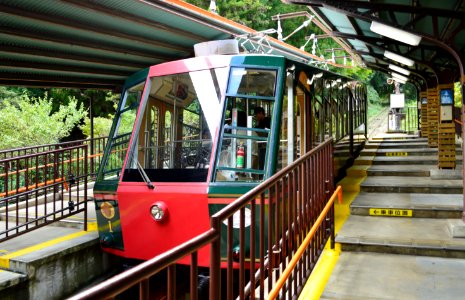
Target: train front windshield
[173,142]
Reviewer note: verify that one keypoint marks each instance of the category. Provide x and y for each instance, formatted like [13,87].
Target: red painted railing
[270,223]
[43,184]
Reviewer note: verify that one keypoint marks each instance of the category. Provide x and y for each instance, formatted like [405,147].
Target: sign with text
[391,212]
[396,153]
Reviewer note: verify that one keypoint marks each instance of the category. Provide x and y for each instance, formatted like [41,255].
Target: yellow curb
[5,259]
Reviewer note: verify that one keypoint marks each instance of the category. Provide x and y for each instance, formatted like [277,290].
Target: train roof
[205,62]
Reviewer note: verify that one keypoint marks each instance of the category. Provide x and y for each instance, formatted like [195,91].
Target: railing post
[86,178]
[215,261]
[351,125]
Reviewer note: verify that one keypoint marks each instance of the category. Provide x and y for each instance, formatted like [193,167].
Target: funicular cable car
[190,136]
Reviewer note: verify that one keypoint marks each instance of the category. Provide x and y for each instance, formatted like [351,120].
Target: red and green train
[190,136]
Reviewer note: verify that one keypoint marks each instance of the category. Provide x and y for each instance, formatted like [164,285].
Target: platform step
[45,259]
[400,235]
[381,145]
[12,281]
[398,138]
[401,170]
[403,152]
[30,214]
[369,276]
[402,160]
[406,184]
[414,204]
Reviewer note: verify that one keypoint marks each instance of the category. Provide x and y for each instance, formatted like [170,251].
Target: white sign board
[397,100]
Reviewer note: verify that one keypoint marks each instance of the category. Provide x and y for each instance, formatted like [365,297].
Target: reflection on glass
[252,82]
[176,147]
[123,123]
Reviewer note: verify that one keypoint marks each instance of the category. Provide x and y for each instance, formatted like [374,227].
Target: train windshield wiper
[144,176]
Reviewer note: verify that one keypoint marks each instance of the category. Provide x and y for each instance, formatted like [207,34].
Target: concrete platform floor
[390,276]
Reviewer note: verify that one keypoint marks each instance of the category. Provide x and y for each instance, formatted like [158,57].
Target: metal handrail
[37,175]
[294,198]
[140,273]
[40,178]
[283,239]
[287,272]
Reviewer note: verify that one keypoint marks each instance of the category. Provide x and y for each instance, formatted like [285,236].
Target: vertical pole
[365,97]
[351,125]
[462,88]
[215,257]
[290,118]
[91,115]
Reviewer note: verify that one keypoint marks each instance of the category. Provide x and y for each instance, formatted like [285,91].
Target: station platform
[54,261]
[399,233]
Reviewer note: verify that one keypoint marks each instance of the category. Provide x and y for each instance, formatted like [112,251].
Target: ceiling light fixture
[395,75]
[399,80]
[400,59]
[399,69]
[395,33]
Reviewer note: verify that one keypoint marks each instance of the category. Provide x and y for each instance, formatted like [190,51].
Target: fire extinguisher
[240,157]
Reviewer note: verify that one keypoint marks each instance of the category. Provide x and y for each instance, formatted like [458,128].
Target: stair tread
[409,200]
[392,276]
[9,279]
[398,231]
[403,181]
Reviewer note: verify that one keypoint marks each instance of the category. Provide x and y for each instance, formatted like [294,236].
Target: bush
[28,122]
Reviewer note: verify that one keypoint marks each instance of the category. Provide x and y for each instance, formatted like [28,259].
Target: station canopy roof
[99,43]
[439,23]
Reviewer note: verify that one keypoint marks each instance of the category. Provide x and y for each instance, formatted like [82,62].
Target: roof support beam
[96,5]
[86,44]
[355,5]
[64,68]
[100,61]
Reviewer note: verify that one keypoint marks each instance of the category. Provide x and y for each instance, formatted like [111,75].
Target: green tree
[102,123]
[378,81]
[102,126]
[31,121]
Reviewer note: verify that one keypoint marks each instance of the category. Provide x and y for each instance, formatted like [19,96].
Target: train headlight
[159,211]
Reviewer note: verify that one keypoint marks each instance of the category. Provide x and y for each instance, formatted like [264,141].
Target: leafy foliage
[457,95]
[26,122]
[101,126]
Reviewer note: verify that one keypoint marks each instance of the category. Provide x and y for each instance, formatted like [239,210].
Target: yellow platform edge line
[316,283]
[5,259]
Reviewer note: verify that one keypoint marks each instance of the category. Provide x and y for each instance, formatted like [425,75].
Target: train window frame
[119,141]
[242,72]
[249,133]
[175,171]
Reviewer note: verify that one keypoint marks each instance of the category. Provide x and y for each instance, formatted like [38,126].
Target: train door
[244,144]
[155,135]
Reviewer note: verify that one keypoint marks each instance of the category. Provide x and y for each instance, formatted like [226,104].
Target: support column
[462,90]
[446,130]
[424,114]
[433,117]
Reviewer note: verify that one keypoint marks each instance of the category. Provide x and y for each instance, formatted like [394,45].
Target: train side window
[242,142]
[290,137]
[174,140]
[123,125]
[253,82]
